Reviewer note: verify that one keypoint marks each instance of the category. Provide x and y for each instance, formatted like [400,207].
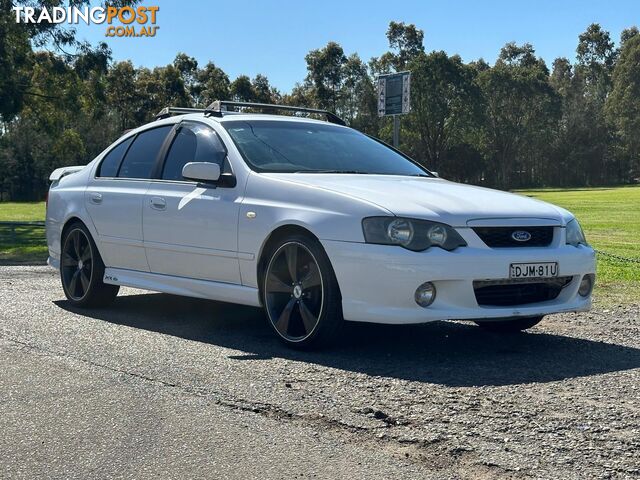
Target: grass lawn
[22,212]
[610,218]
[25,245]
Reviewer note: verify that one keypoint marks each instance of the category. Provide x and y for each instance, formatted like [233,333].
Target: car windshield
[301,147]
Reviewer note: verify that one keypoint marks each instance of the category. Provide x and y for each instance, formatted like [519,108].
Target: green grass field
[22,212]
[610,218]
[26,245]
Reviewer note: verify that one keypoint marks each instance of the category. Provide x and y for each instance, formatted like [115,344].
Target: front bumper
[378,282]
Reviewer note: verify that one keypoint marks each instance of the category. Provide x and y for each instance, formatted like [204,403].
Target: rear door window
[111,161]
[194,142]
[141,157]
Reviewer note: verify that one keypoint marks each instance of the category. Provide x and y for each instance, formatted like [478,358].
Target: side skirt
[188,287]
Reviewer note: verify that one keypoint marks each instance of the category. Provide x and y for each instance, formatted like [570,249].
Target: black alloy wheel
[77,264]
[82,269]
[301,295]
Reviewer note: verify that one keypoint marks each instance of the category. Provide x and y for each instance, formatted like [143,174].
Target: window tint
[111,161]
[282,146]
[141,157]
[193,143]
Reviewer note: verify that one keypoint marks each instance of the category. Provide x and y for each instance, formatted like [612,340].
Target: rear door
[114,197]
[191,229]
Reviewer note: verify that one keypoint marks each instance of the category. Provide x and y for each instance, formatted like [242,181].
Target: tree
[623,105]
[15,62]
[263,92]
[159,88]
[405,43]
[521,111]
[213,84]
[325,74]
[188,68]
[357,103]
[513,124]
[242,90]
[445,104]
[596,56]
[588,133]
[301,96]
[628,34]
[16,40]
[122,93]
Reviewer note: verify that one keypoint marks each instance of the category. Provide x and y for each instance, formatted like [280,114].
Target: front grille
[508,293]
[501,237]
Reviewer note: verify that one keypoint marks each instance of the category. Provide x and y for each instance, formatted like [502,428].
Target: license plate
[533,270]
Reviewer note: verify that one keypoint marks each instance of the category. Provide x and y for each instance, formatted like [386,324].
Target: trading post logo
[134,21]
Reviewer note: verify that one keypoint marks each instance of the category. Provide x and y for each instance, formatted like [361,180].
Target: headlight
[575,235]
[410,233]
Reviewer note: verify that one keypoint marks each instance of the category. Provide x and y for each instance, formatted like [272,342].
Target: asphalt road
[170,387]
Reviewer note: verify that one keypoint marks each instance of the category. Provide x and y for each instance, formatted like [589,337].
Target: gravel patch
[562,401]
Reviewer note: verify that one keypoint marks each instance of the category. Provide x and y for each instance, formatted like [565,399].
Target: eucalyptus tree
[623,104]
[521,111]
[325,67]
[445,104]
[241,89]
[212,84]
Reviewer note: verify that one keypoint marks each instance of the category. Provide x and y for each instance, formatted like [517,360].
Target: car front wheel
[82,270]
[300,292]
[509,325]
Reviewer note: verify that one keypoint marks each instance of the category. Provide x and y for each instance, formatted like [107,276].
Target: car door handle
[158,203]
[96,198]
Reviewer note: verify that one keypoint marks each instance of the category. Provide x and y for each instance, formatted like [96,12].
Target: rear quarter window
[111,161]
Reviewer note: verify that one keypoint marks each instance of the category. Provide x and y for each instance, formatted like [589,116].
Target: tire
[300,293]
[82,270]
[509,325]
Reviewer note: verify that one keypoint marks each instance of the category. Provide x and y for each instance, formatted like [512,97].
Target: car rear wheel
[509,324]
[300,292]
[82,270]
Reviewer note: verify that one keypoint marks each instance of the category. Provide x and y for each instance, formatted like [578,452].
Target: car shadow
[446,353]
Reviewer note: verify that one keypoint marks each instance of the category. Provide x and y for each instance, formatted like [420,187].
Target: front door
[190,229]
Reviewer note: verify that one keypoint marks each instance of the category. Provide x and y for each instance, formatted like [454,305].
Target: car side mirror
[435,174]
[201,172]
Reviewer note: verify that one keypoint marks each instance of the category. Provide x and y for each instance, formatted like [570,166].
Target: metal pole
[396,131]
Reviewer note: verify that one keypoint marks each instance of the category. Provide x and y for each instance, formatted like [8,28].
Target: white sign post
[394,98]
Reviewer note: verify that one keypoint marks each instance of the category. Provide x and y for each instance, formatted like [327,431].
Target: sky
[272,37]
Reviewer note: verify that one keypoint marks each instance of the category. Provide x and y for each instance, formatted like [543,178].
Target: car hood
[436,199]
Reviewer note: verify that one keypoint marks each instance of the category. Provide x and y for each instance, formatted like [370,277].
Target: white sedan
[312,220]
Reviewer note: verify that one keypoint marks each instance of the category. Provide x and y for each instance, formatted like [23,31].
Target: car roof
[234,116]
[226,117]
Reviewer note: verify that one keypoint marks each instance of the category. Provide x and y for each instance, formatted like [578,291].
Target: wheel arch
[273,238]
[67,224]
[77,219]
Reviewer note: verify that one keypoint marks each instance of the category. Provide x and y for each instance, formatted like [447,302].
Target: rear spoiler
[58,173]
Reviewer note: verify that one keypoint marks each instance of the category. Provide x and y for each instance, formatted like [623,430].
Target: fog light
[586,285]
[425,294]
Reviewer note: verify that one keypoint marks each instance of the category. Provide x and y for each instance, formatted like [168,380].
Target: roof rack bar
[168,111]
[219,106]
